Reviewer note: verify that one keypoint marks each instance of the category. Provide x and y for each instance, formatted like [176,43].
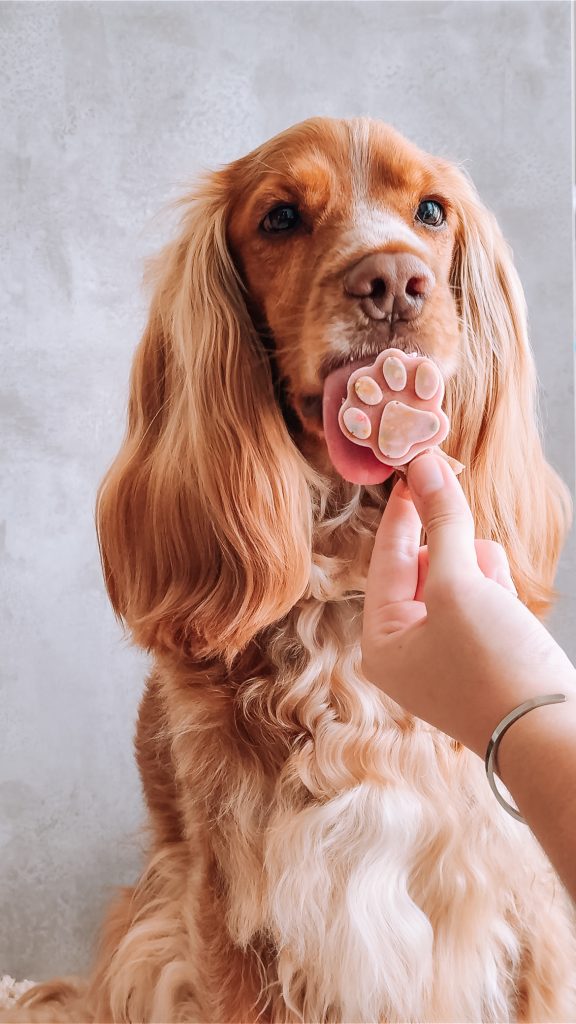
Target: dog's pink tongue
[356,464]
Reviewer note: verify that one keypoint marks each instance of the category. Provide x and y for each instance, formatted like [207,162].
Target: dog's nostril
[417,287]
[378,288]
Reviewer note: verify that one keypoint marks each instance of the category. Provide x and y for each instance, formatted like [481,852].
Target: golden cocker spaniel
[316,854]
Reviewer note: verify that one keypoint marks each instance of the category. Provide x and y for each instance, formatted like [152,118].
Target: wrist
[532,738]
[510,694]
[538,767]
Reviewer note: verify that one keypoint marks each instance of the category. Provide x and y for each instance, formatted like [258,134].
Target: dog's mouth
[314,412]
[319,410]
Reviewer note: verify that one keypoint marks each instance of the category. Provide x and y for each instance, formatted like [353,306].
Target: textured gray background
[109,109]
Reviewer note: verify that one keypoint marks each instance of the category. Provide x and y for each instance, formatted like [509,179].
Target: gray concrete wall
[108,110]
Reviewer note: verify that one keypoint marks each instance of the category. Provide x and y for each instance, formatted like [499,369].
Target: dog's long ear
[516,496]
[204,519]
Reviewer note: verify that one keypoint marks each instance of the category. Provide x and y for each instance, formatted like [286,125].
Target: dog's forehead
[344,163]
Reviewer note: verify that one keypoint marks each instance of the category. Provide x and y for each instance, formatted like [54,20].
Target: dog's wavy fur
[316,854]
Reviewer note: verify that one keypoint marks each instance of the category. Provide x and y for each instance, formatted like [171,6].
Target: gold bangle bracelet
[491,759]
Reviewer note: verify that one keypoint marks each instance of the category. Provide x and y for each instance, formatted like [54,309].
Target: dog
[316,854]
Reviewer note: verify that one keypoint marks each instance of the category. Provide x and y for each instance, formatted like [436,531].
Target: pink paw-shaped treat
[394,407]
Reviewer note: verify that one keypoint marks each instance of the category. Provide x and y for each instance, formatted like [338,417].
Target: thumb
[445,516]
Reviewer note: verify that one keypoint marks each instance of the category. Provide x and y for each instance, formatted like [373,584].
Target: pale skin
[445,636]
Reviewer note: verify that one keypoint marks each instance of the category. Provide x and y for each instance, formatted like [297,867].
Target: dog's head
[344,235]
[328,244]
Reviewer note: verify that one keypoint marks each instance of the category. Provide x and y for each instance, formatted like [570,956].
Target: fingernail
[425,476]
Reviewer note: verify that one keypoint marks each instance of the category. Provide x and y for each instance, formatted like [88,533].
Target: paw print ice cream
[394,407]
[391,408]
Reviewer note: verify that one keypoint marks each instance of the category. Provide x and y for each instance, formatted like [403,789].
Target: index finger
[393,573]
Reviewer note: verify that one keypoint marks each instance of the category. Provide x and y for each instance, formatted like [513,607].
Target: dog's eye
[430,212]
[281,218]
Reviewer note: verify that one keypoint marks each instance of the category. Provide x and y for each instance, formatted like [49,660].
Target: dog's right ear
[516,496]
[204,519]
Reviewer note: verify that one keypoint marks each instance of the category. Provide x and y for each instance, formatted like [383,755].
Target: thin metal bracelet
[491,759]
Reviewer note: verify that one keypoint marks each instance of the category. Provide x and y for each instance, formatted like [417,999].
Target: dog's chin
[303,418]
[308,408]
[314,449]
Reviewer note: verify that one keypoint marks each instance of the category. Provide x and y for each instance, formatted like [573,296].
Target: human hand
[443,633]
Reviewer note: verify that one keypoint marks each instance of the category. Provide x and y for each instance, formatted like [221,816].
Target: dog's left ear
[515,495]
[204,519]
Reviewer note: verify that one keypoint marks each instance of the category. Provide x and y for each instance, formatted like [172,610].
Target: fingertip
[505,580]
[425,476]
